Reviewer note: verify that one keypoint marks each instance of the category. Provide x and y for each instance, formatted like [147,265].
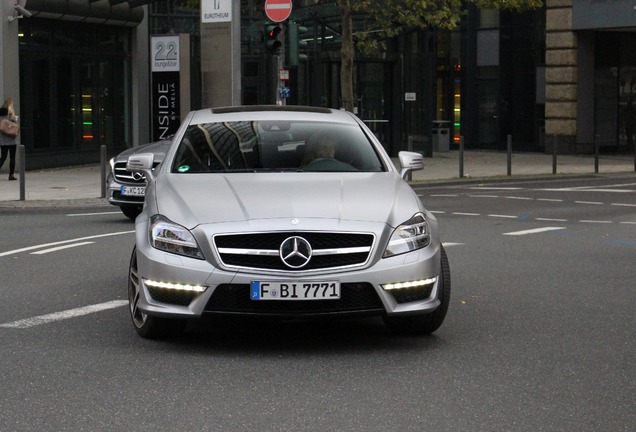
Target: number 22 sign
[164,53]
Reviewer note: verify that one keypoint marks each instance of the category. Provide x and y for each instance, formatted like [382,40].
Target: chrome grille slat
[260,251]
[125,176]
[122,175]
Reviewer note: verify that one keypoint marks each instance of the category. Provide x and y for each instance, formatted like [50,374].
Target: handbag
[9,128]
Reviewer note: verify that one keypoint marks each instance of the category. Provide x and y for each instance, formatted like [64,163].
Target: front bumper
[228,291]
[115,197]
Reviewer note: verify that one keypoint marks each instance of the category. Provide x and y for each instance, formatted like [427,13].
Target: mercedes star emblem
[295,252]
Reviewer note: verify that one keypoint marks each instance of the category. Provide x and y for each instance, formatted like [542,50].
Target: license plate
[133,190]
[264,290]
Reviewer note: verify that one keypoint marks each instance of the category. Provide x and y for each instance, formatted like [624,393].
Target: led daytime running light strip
[411,284]
[179,287]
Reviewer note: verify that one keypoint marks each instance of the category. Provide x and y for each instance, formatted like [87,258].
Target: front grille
[261,250]
[124,176]
[235,298]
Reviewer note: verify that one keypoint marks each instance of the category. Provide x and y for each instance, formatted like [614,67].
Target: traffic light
[296,43]
[272,34]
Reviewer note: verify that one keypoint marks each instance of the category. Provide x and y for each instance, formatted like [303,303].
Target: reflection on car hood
[195,199]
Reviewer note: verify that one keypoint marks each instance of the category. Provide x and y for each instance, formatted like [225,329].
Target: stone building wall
[561,75]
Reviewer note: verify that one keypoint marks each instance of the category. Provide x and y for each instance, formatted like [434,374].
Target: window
[274,146]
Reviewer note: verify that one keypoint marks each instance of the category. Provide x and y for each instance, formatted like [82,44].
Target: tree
[390,17]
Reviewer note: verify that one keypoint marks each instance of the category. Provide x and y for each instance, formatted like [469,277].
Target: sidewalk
[82,185]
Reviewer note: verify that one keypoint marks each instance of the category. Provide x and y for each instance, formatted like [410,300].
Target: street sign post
[278,10]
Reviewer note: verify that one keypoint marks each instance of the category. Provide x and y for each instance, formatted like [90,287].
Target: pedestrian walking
[8,144]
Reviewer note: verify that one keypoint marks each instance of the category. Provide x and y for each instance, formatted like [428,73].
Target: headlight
[170,237]
[411,235]
[112,165]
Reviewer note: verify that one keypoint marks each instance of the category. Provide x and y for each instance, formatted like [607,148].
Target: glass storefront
[615,90]
[75,91]
[627,92]
[509,52]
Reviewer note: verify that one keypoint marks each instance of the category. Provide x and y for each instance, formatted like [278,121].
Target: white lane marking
[484,196]
[588,202]
[611,190]
[550,199]
[26,249]
[619,185]
[438,212]
[586,189]
[495,188]
[59,316]
[623,205]
[444,195]
[94,214]
[58,248]
[466,214]
[519,198]
[448,244]
[628,223]
[551,220]
[596,221]
[533,231]
[503,216]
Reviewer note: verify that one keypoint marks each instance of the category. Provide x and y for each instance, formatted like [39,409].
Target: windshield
[275,146]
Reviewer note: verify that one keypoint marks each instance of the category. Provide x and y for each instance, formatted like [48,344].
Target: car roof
[270,113]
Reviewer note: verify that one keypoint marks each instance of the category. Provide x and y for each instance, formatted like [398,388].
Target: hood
[195,199]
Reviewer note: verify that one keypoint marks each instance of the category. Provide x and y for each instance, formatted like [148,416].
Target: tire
[427,323]
[130,211]
[147,326]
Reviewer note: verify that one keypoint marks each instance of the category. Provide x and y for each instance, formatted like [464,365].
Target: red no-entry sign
[278,10]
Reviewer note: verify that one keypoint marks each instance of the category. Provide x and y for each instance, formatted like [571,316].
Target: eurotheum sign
[215,11]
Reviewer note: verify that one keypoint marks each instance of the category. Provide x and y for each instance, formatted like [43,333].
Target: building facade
[563,75]
[591,74]
[75,69]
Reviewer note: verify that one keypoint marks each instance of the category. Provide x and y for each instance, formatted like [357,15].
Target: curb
[64,202]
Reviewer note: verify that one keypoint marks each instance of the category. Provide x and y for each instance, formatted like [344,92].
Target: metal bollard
[461,157]
[22,160]
[102,164]
[509,155]
[554,154]
[597,148]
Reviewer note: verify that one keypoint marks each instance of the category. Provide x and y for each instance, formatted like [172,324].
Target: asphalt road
[540,333]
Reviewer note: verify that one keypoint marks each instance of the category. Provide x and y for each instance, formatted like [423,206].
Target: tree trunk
[346,54]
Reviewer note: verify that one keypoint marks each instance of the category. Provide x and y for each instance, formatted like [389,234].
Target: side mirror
[410,161]
[142,162]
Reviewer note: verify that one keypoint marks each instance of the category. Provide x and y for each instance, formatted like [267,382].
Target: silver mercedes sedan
[283,211]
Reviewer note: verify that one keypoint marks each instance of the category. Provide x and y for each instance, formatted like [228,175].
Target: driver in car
[320,155]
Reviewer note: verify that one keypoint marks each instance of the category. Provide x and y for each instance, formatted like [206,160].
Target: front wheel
[147,326]
[428,323]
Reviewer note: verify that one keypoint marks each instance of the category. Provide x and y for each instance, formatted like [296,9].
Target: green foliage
[387,18]
[394,15]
